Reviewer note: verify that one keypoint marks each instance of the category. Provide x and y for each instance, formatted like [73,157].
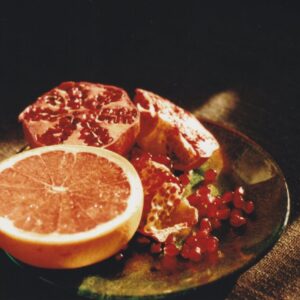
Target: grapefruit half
[68,206]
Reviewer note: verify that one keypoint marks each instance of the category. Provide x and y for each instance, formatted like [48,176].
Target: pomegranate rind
[95,114]
[77,249]
[168,129]
[170,214]
[165,211]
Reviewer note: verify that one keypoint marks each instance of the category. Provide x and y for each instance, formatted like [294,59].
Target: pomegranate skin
[82,113]
[170,130]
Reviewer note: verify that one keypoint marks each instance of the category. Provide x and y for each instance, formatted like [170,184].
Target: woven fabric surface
[277,275]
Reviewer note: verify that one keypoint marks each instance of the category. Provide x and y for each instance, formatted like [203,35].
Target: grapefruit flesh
[67,206]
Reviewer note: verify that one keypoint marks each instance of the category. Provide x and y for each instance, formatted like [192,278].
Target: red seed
[240,190]
[227,197]
[215,223]
[202,234]
[212,244]
[173,190]
[205,225]
[202,210]
[185,251]
[156,248]
[171,250]
[195,254]
[184,179]
[203,191]
[210,176]
[193,199]
[211,210]
[238,201]
[217,201]
[223,214]
[177,202]
[248,207]
[202,244]
[191,240]
[170,239]
[236,218]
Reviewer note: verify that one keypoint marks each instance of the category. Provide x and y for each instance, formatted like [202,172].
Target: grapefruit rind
[74,250]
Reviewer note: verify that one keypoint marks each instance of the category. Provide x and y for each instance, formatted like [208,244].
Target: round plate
[247,164]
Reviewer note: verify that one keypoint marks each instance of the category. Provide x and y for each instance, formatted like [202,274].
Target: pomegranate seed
[217,201]
[195,254]
[191,241]
[202,234]
[202,244]
[227,197]
[240,190]
[193,199]
[212,244]
[170,239]
[238,201]
[210,176]
[215,223]
[203,191]
[156,248]
[205,225]
[223,214]
[184,179]
[171,250]
[185,251]
[236,218]
[202,209]
[248,207]
[211,210]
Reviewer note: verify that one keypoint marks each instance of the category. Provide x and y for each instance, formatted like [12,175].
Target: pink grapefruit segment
[59,196]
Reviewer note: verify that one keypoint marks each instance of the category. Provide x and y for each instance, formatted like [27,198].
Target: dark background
[187,52]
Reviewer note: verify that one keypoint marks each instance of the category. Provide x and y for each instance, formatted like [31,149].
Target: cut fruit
[170,130]
[68,206]
[165,210]
[82,113]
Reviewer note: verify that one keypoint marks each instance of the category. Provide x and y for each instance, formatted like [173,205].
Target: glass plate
[247,164]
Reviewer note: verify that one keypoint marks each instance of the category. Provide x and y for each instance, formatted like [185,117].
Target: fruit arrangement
[179,206]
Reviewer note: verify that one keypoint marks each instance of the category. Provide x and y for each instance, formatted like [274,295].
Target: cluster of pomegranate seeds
[215,211]
[194,247]
[230,206]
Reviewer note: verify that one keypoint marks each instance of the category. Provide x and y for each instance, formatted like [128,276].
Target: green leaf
[214,190]
[196,177]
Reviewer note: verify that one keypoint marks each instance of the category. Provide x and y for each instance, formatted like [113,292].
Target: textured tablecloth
[277,275]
